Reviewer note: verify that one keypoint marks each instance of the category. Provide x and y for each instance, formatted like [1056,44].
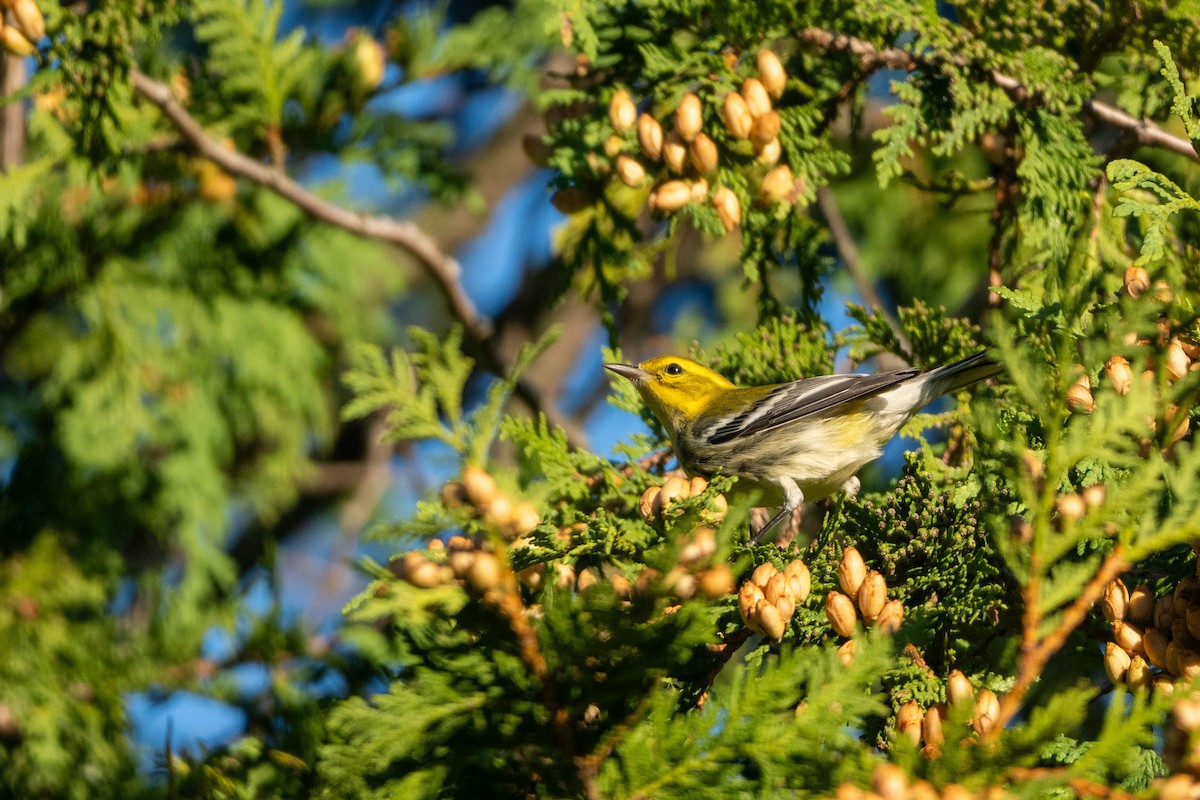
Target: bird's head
[676,389]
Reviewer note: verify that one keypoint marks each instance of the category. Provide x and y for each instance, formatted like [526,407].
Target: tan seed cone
[729,209]
[14,43]
[931,725]
[499,512]
[486,573]
[1116,600]
[799,580]
[681,583]
[1164,612]
[891,617]
[890,781]
[848,791]
[525,518]
[688,118]
[1176,361]
[786,606]
[1120,374]
[648,505]
[840,610]
[1174,653]
[1129,637]
[716,582]
[953,791]
[1095,495]
[771,73]
[1192,618]
[673,488]
[1185,713]
[1116,663]
[696,485]
[872,595]
[847,651]
[670,196]
[749,596]
[631,173]
[1162,292]
[1137,280]
[1177,787]
[1155,645]
[1080,400]
[987,711]
[1139,674]
[27,19]
[776,587]
[703,153]
[851,572]
[923,790]
[1164,684]
[479,486]
[765,130]
[910,719]
[777,185]
[622,113]
[756,97]
[452,494]
[1177,421]
[675,153]
[959,688]
[1189,664]
[1071,506]
[771,621]
[769,153]
[460,562]
[763,573]
[424,575]
[699,189]
[650,136]
[738,119]
[702,545]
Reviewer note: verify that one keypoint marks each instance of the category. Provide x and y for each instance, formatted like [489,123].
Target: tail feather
[960,374]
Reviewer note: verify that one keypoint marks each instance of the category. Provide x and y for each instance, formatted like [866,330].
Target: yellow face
[675,388]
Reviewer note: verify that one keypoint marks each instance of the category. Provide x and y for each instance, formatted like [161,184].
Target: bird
[794,442]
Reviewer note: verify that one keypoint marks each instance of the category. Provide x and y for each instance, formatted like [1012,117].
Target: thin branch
[1146,131]
[442,268]
[12,115]
[848,251]
[1035,652]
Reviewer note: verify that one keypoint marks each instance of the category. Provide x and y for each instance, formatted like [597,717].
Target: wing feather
[789,402]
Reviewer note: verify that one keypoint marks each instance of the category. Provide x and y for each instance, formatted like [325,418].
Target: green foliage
[171,341]
[63,669]
[256,71]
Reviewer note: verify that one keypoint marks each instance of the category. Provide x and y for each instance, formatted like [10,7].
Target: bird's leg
[792,498]
[851,487]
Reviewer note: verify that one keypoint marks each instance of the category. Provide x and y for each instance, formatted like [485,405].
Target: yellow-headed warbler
[795,441]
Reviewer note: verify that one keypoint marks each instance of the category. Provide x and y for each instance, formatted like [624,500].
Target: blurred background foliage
[218,218]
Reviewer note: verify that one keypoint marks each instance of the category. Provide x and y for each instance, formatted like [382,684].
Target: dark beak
[635,374]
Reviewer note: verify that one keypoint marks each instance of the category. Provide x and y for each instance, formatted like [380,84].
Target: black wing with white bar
[792,401]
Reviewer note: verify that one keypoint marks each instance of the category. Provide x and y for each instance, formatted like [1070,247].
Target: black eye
[674,369]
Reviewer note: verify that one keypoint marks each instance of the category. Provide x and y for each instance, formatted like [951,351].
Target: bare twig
[12,115]
[846,248]
[442,268]
[1146,132]
[1036,652]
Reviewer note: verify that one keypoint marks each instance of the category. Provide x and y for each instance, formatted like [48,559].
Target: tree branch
[844,241]
[441,267]
[1036,652]
[1145,131]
